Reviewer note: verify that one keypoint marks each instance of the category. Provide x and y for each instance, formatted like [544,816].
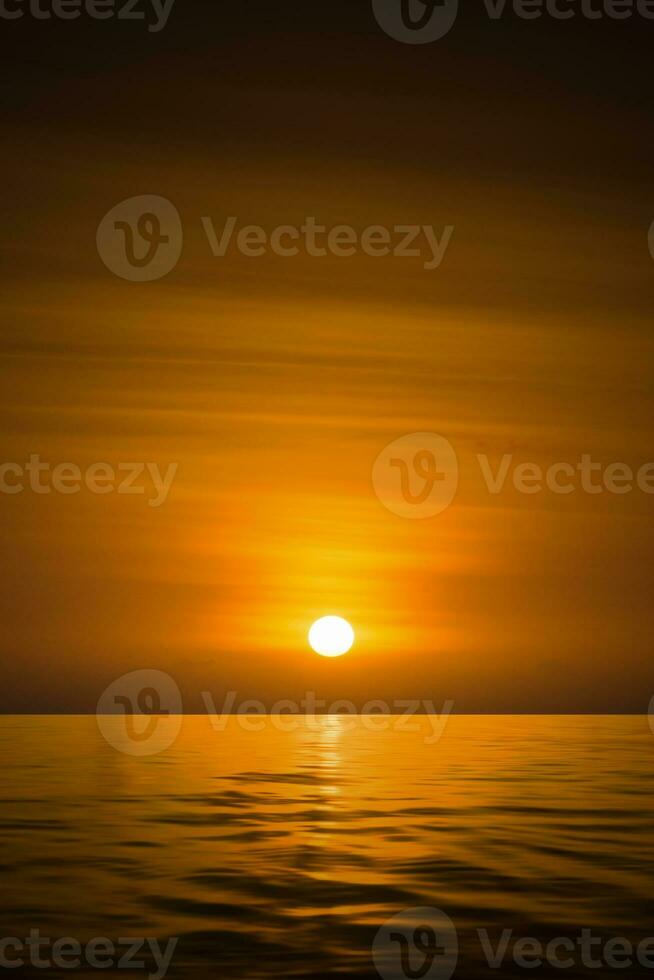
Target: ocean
[331,849]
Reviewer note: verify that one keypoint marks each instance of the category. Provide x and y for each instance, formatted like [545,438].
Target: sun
[331,636]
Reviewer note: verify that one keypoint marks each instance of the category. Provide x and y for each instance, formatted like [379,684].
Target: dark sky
[274,383]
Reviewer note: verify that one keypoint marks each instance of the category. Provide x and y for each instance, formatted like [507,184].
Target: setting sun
[331,636]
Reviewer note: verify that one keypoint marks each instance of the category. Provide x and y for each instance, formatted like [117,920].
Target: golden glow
[331,636]
[276,420]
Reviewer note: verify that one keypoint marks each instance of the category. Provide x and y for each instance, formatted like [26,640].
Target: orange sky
[274,383]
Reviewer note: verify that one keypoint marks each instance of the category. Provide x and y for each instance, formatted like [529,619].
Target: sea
[329,847]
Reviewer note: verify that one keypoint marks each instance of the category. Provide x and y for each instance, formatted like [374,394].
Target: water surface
[280,854]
